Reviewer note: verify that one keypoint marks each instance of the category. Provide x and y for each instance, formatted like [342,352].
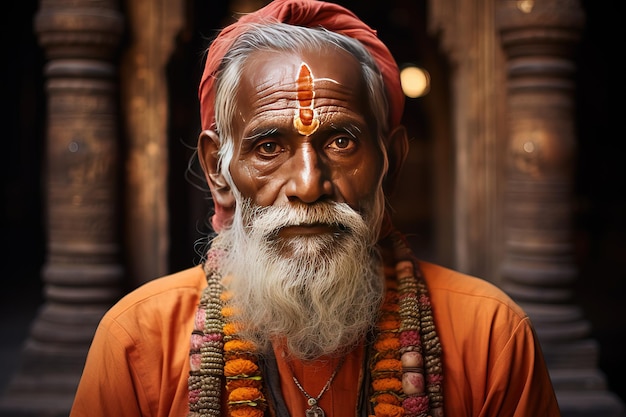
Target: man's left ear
[397,150]
[208,146]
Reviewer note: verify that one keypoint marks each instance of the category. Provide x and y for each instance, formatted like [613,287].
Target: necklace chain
[315,410]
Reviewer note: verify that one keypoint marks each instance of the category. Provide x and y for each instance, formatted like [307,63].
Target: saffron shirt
[138,362]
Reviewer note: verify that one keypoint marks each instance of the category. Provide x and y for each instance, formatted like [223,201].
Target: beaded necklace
[405,367]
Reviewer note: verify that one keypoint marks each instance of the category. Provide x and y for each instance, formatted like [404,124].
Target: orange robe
[138,362]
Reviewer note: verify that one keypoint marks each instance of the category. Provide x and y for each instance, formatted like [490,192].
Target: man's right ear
[208,146]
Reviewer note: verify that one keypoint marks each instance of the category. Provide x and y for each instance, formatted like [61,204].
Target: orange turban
[308,13]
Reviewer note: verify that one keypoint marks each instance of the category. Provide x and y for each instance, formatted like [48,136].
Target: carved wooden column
[152,27]
[82,272]
[468,170]
[538,270]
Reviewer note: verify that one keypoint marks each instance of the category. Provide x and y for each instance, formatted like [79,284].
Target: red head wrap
[308,13]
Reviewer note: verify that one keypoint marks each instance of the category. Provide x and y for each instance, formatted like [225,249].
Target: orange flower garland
[243,376]
[405,367]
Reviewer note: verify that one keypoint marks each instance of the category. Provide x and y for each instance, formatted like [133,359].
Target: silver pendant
[315,411]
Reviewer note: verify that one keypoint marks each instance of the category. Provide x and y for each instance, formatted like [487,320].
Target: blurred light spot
[415,81]
[526,6]
[529,147]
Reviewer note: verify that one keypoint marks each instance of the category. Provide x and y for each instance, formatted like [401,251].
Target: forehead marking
[305,119]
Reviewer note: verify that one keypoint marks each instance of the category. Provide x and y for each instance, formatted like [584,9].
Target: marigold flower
[387,325]
[391,343]
[231,328]
[228,311]
[246,411]
[387,398]
[240,367]
[244,394]
[388,365]
[387,384]
[238,345]
[388,410]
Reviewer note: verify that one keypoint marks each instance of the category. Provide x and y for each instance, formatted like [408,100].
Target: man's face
[291,149]
[306,175]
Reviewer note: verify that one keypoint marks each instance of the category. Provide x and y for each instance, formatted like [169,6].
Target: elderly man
[309,302]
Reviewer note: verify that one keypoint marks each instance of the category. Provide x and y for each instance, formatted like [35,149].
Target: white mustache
[268,221]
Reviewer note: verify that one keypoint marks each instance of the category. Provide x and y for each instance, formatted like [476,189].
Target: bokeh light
[415,81]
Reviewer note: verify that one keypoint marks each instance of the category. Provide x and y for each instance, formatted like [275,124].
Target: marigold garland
[388,410]
[388,365]
[405,366]
[244,394]
[240,368]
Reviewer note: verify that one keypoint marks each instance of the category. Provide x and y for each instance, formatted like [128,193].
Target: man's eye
[342,143]
[268,148]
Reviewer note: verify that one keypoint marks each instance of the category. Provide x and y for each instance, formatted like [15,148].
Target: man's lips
[308,229]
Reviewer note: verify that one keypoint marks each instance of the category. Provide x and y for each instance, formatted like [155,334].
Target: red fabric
[308,13]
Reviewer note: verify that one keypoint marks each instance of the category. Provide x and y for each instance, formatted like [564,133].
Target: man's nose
[309,176]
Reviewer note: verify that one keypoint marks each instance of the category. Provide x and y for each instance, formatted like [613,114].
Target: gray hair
[288,38]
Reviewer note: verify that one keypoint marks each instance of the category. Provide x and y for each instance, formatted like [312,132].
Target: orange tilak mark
[304,120]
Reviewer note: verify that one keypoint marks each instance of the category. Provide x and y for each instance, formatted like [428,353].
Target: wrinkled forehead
[293,71]
[309,83]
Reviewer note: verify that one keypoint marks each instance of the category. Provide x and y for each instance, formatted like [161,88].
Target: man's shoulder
[464,289]
[177,291]
[151,325]
[193,278]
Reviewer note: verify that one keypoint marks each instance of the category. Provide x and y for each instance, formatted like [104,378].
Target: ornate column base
[572,359]
[576,403]
[45,382]
[581,391]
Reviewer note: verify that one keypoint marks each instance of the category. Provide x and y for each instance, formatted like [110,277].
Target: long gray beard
[318,294]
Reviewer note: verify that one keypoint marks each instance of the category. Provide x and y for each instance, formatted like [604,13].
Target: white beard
[318,294]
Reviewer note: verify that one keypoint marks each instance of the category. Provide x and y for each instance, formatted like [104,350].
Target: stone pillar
[82,272]
[538,269]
